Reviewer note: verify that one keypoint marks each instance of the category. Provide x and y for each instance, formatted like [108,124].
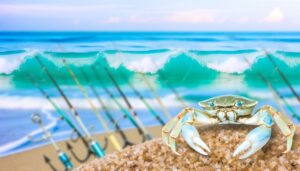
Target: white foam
[10,63]
[290,61]
[77,61]
[31,103]
[150,62]
[9,146]
[233,63]
[230,65]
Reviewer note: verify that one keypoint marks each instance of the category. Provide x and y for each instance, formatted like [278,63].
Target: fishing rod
[106,111]
[158,99]
[165,111]
[283,76]
[64,117]
[124,111]
[63,157]
[275,93]
[172,89]
[111,136]
[137,93]
[148,136]
[62,114]
[94,145]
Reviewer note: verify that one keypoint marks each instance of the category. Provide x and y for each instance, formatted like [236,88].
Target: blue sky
[152,15]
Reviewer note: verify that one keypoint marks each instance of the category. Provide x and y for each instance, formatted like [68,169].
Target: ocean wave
[34,134]
[227,61]
[139,61]
[177,65]
[288,53]
[11,60]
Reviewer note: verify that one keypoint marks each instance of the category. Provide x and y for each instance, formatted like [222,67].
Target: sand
[222,140]
[32,160]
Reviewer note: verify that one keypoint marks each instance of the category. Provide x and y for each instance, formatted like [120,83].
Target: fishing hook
[47,160]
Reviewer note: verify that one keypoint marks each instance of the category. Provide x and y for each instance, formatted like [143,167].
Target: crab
[228,109]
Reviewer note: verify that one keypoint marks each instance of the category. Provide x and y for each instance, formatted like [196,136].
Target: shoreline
[27,160]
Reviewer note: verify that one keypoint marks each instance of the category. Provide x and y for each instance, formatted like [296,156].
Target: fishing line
[111,136]
[62,114]
[94,145]
[124,111]
[275,93]
[171,87]
[187,73]
[131,110]
[106,111]
[140,96]
[282,76]
[157,97]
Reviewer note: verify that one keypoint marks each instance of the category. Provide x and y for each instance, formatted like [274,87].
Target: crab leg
[167,129]
[173,128]
[285,125]
[257,138]
[184,123]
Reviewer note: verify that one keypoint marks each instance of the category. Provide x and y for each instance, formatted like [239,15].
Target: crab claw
[255,140]
[167,129]
[192,137]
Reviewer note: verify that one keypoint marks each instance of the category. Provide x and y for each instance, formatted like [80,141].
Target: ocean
[198,65]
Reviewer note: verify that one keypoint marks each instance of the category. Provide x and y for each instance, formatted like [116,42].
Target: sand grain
[222,140]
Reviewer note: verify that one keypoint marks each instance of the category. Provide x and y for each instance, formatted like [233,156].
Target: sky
[151,15]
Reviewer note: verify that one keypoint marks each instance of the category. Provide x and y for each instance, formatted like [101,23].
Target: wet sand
[33,160]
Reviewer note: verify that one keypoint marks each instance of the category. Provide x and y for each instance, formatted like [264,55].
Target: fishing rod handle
[65,160]
[97,149]
[115,142]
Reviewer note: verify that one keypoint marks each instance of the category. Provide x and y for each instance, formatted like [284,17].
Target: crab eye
[211,104]
[238,104]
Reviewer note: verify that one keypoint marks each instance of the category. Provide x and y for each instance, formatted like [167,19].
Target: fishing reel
[37,119]
[62,156]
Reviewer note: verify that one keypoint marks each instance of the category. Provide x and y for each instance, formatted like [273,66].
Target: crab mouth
[227,115]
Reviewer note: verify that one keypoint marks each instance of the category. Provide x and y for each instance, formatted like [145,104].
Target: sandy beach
[89,68]
[222,140]
[33,159]
[155,155]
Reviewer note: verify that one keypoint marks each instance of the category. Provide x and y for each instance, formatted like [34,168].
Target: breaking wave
[178,66]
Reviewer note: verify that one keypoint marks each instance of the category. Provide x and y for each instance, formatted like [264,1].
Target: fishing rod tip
[36,118]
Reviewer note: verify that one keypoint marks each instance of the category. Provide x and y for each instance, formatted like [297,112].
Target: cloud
[275,16]
[193,16]
[113,20]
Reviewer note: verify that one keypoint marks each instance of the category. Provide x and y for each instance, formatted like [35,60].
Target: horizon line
[174,31]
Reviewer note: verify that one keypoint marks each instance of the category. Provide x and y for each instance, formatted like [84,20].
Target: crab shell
[228,103]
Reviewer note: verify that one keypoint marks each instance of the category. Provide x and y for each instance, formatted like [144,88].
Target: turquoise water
[198,64]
